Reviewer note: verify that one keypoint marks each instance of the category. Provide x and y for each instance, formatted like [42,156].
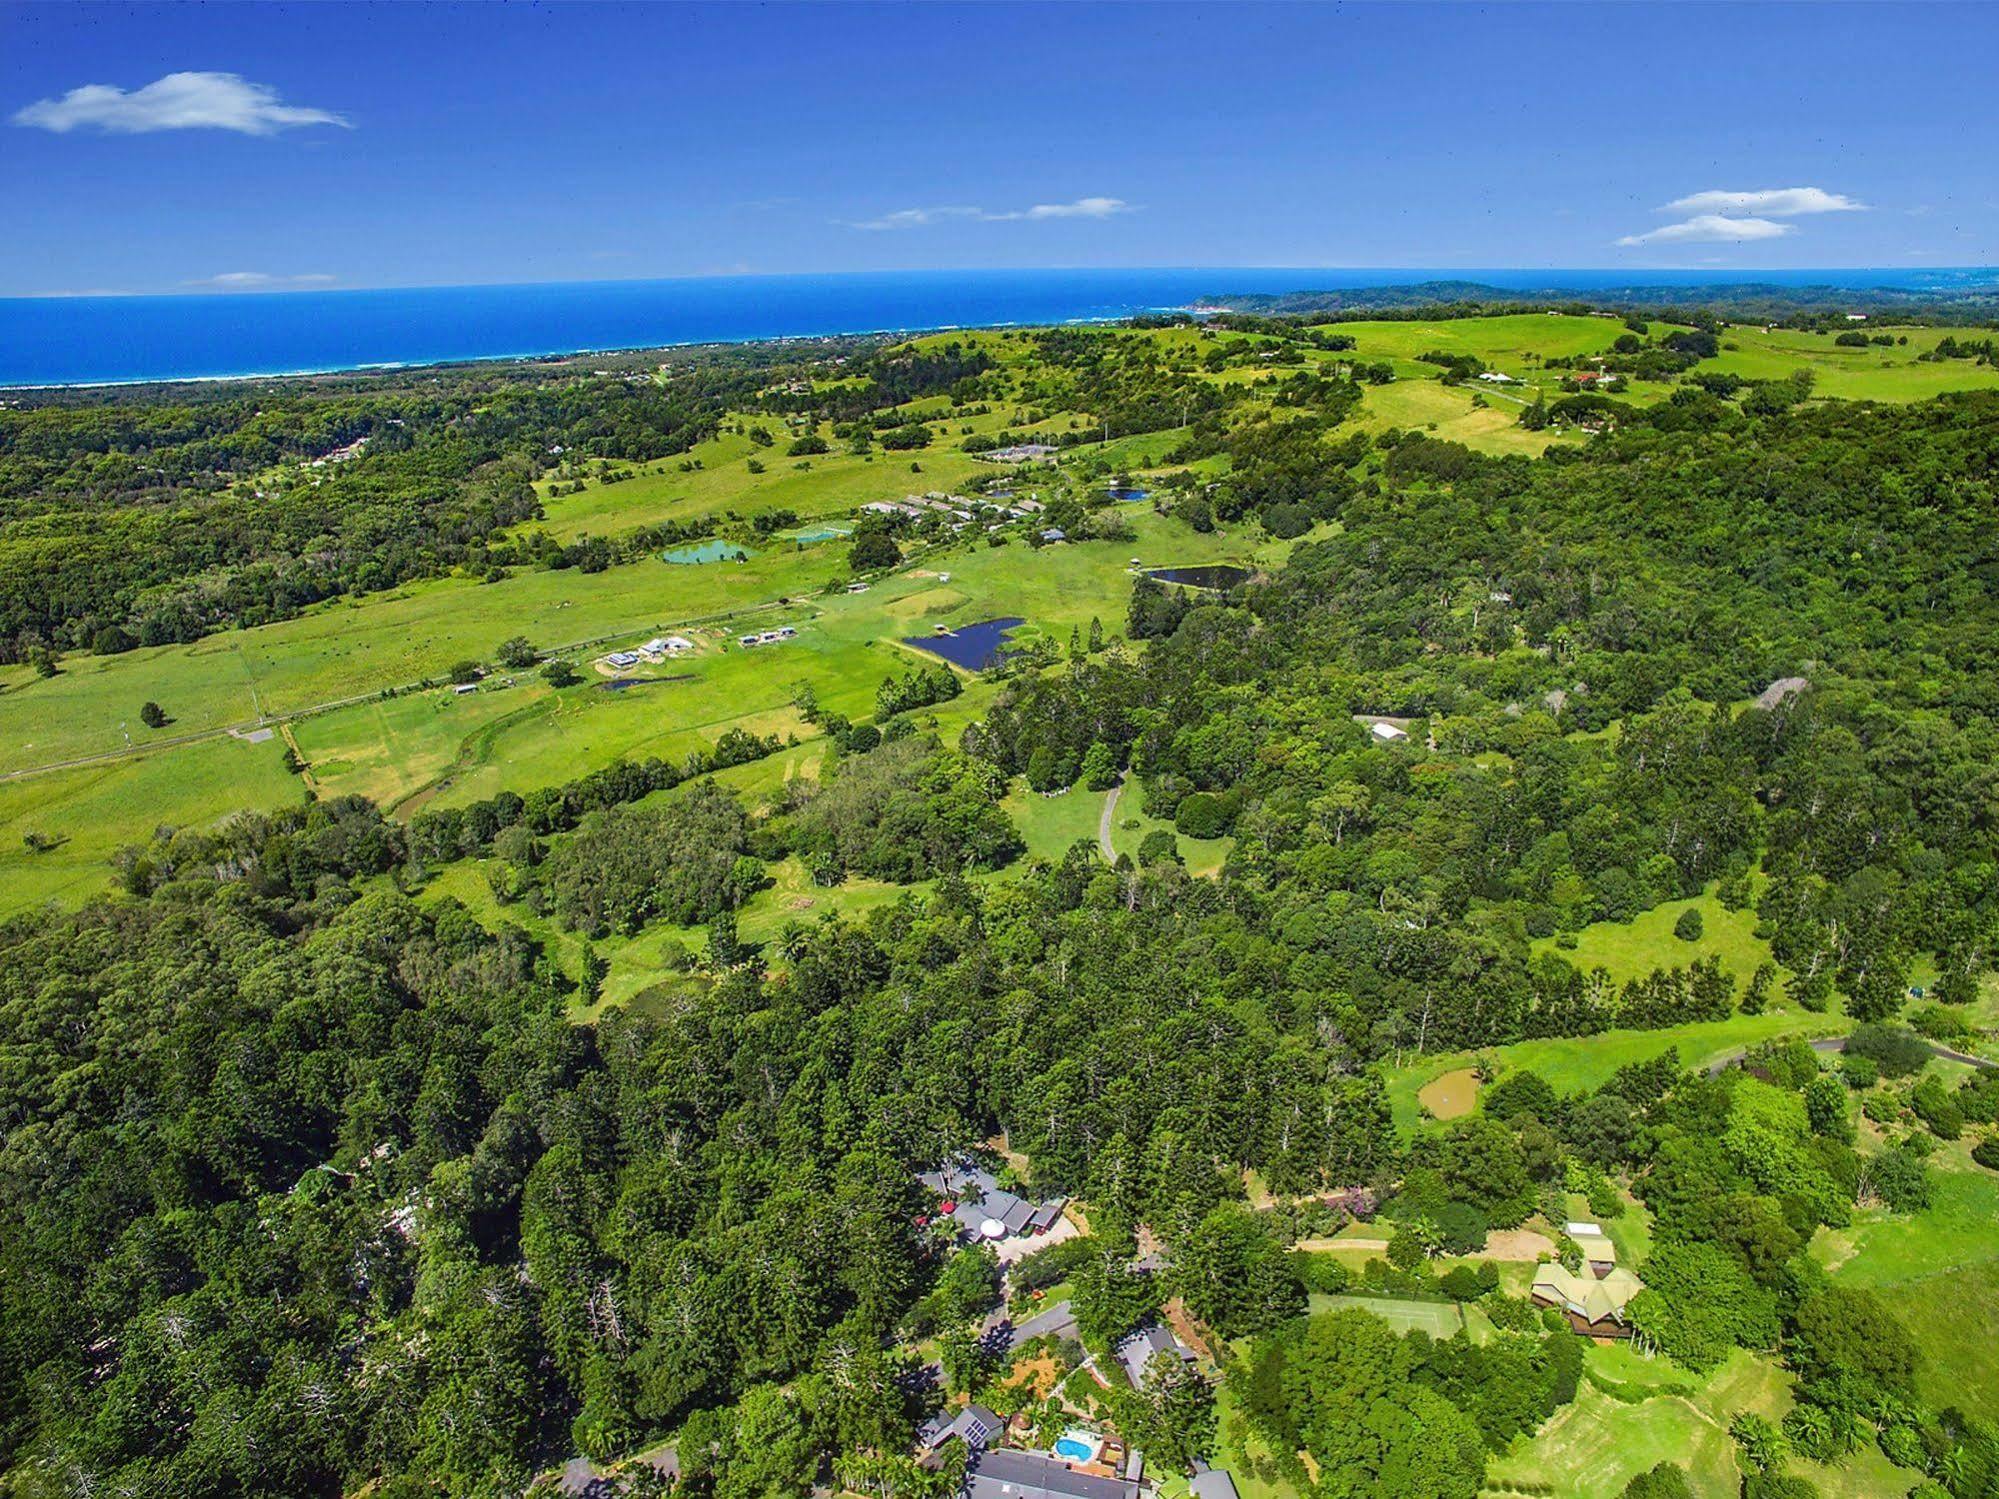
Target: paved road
[1104,822]
[1832,1045]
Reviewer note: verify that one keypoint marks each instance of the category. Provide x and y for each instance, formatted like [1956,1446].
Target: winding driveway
[1831,1045]
[1104,822]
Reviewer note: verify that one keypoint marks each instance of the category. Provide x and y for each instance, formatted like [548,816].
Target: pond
[1214,575]
[821,533]
[715,550]
[974,647]
[1125,496]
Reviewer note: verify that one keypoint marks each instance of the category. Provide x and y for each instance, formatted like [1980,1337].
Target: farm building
[1387,733]
[1599,1254]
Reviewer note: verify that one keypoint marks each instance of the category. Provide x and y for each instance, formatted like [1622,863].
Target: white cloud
[1769,202]
[1719,216]
[919,218]
[179,101]
[259,281]
[1710,228]
[1082,208]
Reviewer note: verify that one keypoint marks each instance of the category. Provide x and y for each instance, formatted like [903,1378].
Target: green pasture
[1938,1272]
[823,486]
[1874,373]
[1131,822]
[1574,1063]
[98,809]
[1632,949]
[1440,1319]
[358,646]
[1515,343]
[1447,412]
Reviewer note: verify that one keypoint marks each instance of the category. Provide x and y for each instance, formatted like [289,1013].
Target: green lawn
[1938,1272]
[1572,1063]
[432,746]
[1131,822]
[1449,412]
[1440,1319]
[1050,824]
[1632,949]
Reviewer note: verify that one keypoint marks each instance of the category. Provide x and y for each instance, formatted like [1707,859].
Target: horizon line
[1734,274]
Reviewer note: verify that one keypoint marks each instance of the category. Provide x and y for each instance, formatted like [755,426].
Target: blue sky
[256,147]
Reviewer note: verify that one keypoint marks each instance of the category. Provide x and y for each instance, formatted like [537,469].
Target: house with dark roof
[1003,1473]
[973,1424]
[1137,1351]
[982,1208]
[1212,1483]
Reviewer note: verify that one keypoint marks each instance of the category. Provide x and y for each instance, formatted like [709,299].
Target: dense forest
[308,1180]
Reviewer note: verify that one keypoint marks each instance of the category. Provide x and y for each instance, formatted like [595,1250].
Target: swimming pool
[1078,1445]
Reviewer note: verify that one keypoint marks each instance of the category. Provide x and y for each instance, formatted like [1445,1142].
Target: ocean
[101,340]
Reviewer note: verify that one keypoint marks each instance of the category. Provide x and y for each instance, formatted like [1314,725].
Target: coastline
[120,342]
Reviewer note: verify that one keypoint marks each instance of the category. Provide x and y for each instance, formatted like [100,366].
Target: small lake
[708,551]
[1128,496]
[1215,575]
[975,647]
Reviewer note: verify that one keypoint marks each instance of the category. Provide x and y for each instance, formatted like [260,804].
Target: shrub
[1986,1152]
[1205,814]
[1937,1109]
[1896,1050]
[153,716]
[1690,925]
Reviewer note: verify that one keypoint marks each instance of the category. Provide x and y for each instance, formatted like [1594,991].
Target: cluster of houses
[1021,452]
[996,1472]
[1593,1298]
[767,637]
[959,510]
[652,653]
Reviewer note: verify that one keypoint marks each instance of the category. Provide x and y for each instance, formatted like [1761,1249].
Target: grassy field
[1572,1063]
[825,485]
[1131,822]
[97,810]
[1870,374]
[1632,949]
[1593,1447]
[1489,424]
[1440,1319]
[433,746]
[1938,1272]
